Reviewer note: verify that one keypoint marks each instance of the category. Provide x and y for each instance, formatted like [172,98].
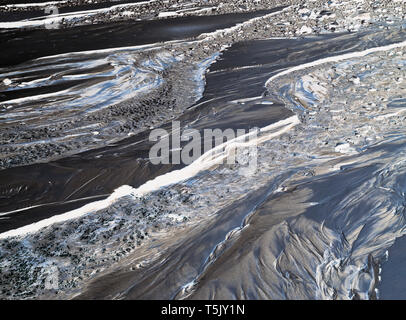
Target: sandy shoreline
[285,229]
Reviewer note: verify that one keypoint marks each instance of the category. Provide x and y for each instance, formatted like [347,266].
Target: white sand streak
[346,56]
[57,18]
[209,159]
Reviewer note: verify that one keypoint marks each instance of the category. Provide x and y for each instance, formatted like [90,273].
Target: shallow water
[313,221]
[61,185]
[322,235]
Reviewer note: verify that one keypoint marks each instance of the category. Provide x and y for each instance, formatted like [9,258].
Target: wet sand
[313,221]
[253,231]
[71,182]
[26,45]
[20,15]
[392,285]
[98,172]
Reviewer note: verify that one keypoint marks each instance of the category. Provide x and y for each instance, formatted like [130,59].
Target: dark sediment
[19,45]
[96,173]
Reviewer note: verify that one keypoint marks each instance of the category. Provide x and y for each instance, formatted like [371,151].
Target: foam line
[36,22]
[91,207]
[30,5]
[346,56]
[206,161]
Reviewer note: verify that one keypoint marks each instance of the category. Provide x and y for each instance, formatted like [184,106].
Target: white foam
[215,156]
[246,100]
[167,14]
[57,18]
[345,148]
[237,26]
[36,97]
[91,207]
[209,159]
[155,45]
[346,56]
[206,161]
[36,4]
[7,82]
